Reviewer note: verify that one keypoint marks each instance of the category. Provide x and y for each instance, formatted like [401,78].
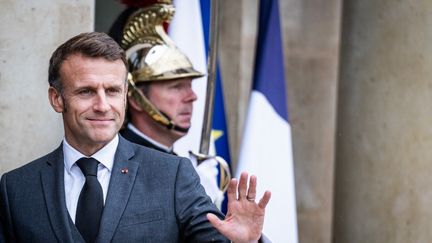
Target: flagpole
[211,70]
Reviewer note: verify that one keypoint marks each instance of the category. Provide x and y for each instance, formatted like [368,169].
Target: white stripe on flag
[266,152]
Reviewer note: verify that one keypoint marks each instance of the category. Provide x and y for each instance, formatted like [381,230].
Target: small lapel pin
[124,171]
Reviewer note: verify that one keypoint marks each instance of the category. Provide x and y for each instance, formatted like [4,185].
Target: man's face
[93,101]
[175,99]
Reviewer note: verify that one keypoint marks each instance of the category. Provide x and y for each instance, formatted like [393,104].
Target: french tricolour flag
[266,149]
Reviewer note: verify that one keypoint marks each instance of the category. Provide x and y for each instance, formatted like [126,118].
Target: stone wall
[29,33]
[383,182]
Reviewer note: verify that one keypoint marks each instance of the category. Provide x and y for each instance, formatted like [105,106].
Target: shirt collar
[139,133]
[105,155]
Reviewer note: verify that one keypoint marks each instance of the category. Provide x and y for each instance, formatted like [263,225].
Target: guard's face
[93,102]
[175,99]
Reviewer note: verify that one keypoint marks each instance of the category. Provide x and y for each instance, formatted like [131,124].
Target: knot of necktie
[88,166]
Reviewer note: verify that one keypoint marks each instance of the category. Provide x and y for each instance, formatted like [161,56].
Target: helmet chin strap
[157,115]
[173,126]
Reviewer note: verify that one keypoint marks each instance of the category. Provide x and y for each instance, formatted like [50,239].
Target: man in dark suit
[98,187]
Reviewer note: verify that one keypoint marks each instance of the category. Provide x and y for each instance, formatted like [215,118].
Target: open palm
[245,218]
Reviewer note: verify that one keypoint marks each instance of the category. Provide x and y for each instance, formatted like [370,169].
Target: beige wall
[312,38]
[29,33]
[237,45]
[383,182]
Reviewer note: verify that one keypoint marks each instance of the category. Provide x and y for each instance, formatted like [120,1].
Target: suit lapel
[119,189]
[53,188]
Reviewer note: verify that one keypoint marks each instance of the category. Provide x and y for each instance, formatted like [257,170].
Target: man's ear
[56,100]
[133,104]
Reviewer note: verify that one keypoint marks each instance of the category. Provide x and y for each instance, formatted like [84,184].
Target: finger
[252,188]
[264,200]
[243,185]
[214,220]
[220,225]
[232,190]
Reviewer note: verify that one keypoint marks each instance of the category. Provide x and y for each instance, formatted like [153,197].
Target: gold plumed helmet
[153,56]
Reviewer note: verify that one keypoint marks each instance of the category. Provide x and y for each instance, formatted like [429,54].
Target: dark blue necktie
[90,202]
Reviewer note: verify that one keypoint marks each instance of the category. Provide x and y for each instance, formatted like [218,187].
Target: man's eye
[84,92]
[176,86]
[113,91]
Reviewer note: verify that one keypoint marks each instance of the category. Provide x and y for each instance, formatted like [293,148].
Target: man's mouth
[100,121]
[186,114]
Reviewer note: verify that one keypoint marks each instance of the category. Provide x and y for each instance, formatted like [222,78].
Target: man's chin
[103,138]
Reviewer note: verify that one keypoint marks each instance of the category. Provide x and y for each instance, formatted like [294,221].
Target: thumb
[214,220]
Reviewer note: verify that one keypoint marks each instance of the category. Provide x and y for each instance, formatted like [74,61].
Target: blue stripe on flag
[219,118]
[205,18]
[219,121]
[269,66]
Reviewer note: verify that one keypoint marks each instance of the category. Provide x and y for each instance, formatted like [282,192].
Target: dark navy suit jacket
[159,199]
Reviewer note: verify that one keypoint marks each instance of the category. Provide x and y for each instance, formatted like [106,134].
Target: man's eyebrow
[116,86]
[82,87]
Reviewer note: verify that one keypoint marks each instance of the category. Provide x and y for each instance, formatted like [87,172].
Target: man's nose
[101,103]
[191,95]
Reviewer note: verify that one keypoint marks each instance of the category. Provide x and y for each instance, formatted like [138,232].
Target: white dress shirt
[73,177]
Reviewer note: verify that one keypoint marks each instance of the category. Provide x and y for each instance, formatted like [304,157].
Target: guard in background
[160,99]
